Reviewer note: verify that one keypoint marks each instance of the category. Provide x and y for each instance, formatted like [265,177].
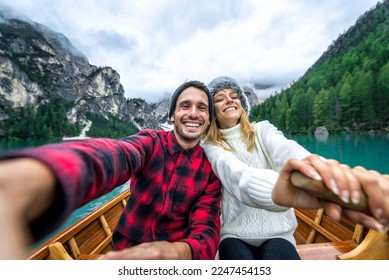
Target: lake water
[86,209]
[370,151]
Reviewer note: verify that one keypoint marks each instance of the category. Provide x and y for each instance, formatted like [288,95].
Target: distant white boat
[75,138]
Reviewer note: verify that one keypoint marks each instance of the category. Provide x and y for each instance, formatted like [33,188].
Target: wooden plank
[102,245]
[90,237]
[74,248]
[89,257]
[318,228]
[359,233]
[318,218]
[58,252]
[324,251]
[105,225]
[341,229]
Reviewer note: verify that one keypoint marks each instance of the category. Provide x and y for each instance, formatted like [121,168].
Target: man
[174,208]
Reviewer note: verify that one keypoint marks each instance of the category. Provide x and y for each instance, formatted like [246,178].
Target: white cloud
[156,45]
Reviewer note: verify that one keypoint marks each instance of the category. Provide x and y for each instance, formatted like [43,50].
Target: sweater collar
[230,131]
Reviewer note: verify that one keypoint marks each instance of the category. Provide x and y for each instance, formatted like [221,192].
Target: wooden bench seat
[374,247]
[325,251]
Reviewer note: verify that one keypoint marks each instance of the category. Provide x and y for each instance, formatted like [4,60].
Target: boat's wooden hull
[317,237]
[91,235]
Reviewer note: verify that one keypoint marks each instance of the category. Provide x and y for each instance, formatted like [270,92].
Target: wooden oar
[318,189]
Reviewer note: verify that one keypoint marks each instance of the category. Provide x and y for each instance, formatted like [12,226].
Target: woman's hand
[376,188]
[343,181]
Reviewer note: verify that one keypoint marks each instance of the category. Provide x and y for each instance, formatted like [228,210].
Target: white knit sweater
[249,177]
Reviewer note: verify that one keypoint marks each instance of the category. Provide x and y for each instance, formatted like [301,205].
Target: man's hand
[158,250]
[26,189]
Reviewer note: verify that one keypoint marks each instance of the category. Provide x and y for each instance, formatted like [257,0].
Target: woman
[247,157]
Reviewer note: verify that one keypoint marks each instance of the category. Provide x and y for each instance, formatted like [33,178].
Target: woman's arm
[277,148]
[252,186]
[280,150]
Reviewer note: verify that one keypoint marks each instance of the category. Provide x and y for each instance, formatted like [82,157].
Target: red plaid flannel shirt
[175,196]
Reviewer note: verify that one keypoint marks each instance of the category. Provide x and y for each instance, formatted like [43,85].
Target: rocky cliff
[37,63]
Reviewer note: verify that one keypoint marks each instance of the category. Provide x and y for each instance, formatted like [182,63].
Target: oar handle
[318,189]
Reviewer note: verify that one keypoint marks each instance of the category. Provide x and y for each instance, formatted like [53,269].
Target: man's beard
[186,136]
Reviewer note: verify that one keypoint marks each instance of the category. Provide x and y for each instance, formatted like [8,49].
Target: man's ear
[172,118]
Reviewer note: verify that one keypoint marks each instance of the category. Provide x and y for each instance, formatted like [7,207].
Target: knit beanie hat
[224,82]
[189,84]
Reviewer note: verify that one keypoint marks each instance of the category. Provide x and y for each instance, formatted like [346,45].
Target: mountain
[346,89]
[49,90]
[39,67]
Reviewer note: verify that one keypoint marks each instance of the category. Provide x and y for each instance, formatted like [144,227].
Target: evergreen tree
[346,87]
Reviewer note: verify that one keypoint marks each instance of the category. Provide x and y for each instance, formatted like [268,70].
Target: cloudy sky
[157,45]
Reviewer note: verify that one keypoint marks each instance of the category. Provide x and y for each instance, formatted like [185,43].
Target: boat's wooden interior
[317,236]
[320,238]
[90,236]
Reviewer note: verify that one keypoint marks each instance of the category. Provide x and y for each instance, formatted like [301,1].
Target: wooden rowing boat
[317,236]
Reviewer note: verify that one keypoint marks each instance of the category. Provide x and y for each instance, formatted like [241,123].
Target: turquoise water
[85,210]
[370,151]
[14,145]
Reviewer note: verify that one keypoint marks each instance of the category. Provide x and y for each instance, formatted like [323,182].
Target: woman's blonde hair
[246,130]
